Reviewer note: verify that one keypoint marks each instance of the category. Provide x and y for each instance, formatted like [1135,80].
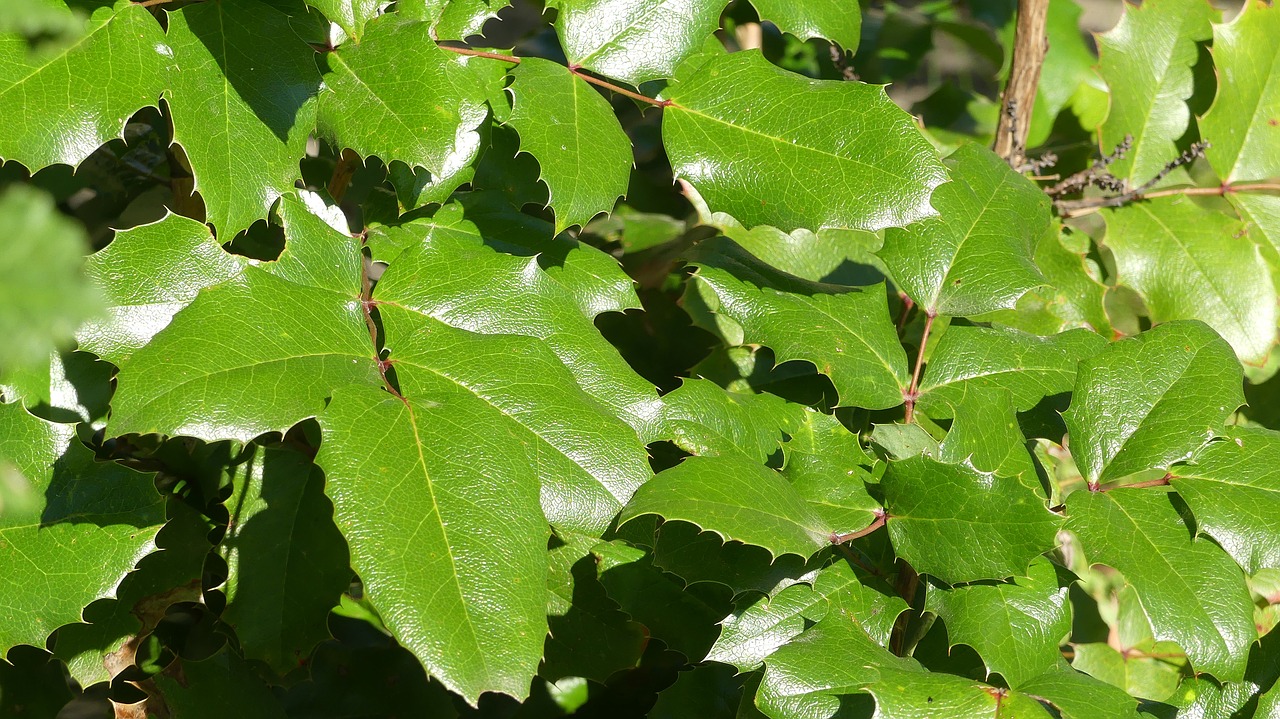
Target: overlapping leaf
[707,420]
[833,20]
[634,40]
[1243,125]
[828,467]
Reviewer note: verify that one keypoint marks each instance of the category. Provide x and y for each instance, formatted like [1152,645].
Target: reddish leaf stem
[1161,482]
[876,523]
[913,391]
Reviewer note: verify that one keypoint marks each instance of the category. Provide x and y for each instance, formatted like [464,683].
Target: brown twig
[1095,174]
[913,392]
[152,3]
[1030,44]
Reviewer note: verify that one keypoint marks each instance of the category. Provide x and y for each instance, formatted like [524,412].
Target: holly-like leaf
[635,40]
[1030,367]
[1191,591]
[697,557]
[1076,695]
[1189,263]
[773,148]
[350,15]
[1139,676]
[985,435]
[1148,401]
[976,255]
[398,96]
[1016,627]
[1243,125]
[828,467]
[71,529]
[845,332]
[1234,493]
[59,107]
[147,274]
[833,20]
[242,92]
[706,420]
[445,528]
[286,561]
[220,685]
[938,514]
[900,693]
[1146,60]
[736,498]
[1074,296]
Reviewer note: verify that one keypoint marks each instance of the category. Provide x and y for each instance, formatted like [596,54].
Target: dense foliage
[373,399]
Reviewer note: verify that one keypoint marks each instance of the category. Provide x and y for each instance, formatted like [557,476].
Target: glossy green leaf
[446,531]
[571,130]
[1191,590]
[72,527]
[773,148]
[1030,367]
[424,111]
[1146,60]
[846,333]
[147,274]
[58,108]
[985,435]
[1188,263]
[1148,401]
[1243,125]
[939,513]
[634,40]
[706,420]
[241,90]
[1234,493]
[1016,627]
[1074,296]
[833,20]
[39,310]
[1076,695]
[697,557]
[286,561]
[917,695]
[350,15]
[1068,76]
[828,467]
[736,498]
[976,255]
[704,691]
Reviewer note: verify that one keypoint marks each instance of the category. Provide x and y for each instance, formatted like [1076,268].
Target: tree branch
[1030,45]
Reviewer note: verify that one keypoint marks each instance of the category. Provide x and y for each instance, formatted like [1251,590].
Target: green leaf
[634,41]
[976,255]
[1148,401]
[773,148]
[697,557]
[1191,591]
[59,107]
[571,130]
[1189,263]
[736,498]
[241,90]
[398,96]
[1146,60]
[1076,695]
[939,512]
[147,274]
[1143,677]
[1030,367]
[221,685]
[706,420]
[828,467]
[985,434]
[41,309]
[1016,627]
[446,530]
[1074,296]
[708,690]
[833,20]
[845,332]
[1234,493]
[350,15]
[1243,125]
[902,693]
[71,529]
[286,561]
[1068,74]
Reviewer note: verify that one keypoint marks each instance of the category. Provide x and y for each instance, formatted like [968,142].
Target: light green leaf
[1068,73]
[1261,214]
[1076,695]
[459,19]
[1142,677]
[1030,367]
[834,20]
[828,467]
[910,694]
[845,332]
[1191,591]
[350,15]
[706,420]
[318,252]
[1192,263]
[1146,60]
[1148,401]
[147,275]
[571,130]
[1243,125]
[1234,493]
[985,434]
[939,513]
[976,256]
[1074,295]
[1016,627]
[241,89]
[71,527]
[635,40]
[59,108]
[286,561]
[736,498]
[445,528]
[773,148]
[39,310]
[398,96]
